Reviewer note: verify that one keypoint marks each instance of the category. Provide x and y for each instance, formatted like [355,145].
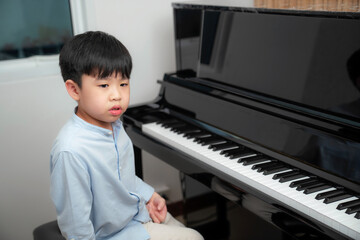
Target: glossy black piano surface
[281,80]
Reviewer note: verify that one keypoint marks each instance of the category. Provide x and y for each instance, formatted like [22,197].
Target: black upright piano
[265,106]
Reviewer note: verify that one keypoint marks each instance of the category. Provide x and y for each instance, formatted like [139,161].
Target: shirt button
[110,133]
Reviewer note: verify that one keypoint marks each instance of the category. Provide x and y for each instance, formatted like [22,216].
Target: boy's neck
[89,120]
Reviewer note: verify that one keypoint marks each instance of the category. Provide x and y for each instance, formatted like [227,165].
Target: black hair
[94,53]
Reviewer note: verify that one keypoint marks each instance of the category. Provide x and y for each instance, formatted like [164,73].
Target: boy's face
[103,101]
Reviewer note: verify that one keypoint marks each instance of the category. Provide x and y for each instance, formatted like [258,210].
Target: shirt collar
[115,125]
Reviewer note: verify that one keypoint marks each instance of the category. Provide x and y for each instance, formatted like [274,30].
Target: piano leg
[222,219]
[219,228]
[138,162]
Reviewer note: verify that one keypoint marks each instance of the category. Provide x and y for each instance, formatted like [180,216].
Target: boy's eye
[104,85]
[123,84]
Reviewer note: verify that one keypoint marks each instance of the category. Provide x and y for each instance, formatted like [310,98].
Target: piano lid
[293,54]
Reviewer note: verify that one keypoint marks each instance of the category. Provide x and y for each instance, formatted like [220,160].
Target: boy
[93,183]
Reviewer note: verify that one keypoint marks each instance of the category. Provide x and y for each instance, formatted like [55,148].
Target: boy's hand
[157,208]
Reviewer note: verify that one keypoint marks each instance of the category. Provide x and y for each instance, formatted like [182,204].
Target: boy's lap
[171,229]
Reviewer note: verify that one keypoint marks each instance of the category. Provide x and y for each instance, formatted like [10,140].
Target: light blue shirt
[93,183]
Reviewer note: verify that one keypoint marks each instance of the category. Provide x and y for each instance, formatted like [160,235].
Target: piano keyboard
[312,196]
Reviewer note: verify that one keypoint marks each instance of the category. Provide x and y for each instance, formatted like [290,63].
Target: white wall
[32,110]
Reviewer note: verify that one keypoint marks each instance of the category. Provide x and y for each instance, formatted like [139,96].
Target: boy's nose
[115,95]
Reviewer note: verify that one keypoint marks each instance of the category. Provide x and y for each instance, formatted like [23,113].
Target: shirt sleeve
[72,197]
[144,189]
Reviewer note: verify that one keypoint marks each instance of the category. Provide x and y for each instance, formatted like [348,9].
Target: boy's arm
[71,194]
[144,189]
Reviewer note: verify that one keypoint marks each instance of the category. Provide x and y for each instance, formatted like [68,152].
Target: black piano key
[344,205]
[243,153]
[285,174]
[275,169]
[175,128]
[353,209]
[291,177]
[261,169]
[252,160]
[201,138]
[328,194]
[186,129]
[304,186]
[231,151]
[173,124]
[298,182]
[222,146]
[317,188]
[264,165]
[211,140]
[196,134]
[337,197]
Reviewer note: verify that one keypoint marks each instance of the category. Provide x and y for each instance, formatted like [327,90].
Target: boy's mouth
[115,110]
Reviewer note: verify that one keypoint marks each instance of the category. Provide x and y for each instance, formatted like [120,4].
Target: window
[12,69]
[31,28]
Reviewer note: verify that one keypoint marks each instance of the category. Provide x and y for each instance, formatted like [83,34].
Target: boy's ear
[73,89]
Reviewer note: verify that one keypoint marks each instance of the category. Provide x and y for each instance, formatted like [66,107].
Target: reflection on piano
[264,102]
